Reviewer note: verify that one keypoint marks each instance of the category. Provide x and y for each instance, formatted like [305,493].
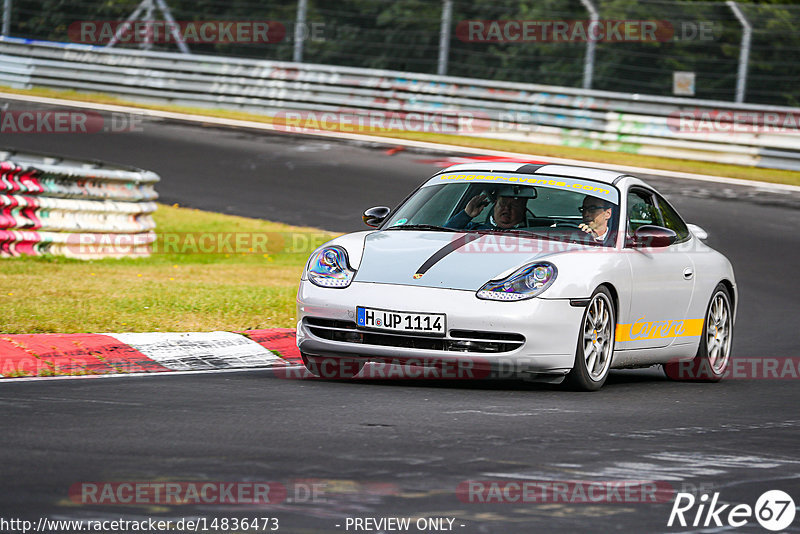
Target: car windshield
[580,211]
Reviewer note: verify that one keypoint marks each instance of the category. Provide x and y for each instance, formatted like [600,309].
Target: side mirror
[374,217]
[649,235]
[698,232]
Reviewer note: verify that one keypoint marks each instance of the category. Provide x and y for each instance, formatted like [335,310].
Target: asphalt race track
[383,448]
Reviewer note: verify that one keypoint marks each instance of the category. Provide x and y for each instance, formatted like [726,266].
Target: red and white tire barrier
[72,208]
[47,355]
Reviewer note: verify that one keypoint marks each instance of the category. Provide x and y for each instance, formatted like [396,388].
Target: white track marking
[200,351]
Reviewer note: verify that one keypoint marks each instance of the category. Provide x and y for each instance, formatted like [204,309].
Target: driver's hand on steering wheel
[476,204]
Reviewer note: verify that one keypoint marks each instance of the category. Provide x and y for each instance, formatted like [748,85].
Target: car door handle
[688,273]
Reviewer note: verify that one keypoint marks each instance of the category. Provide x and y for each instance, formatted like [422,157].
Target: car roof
[571,171]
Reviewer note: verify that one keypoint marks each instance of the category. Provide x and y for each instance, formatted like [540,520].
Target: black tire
[329,367]
[596,335]
[709,365]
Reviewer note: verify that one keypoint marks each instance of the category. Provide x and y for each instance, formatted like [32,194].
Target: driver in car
[509,212]
[596,213]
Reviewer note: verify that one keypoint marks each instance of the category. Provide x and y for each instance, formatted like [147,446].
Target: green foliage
[404,35]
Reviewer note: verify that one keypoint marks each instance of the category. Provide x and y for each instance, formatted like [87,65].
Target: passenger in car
[508,212]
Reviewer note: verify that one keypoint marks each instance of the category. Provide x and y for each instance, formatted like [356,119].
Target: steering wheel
[567,224]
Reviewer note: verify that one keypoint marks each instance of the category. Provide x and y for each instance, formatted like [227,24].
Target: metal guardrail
[739,134]
[74,209]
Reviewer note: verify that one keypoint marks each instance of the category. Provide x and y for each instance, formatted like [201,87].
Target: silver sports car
[545,272]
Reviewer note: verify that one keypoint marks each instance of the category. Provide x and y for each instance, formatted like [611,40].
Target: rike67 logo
[774,510]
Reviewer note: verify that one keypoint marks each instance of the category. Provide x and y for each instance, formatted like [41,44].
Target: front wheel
[595,343]
[714,353]
[327,367]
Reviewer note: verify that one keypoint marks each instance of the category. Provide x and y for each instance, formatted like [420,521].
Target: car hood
[447,260]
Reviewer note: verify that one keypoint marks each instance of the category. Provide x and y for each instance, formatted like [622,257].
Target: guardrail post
[744,53]
[149,18]
[148,7]
[173,27]
[300,30]
[125,26]
[588,61]
[6,17]
[444,37]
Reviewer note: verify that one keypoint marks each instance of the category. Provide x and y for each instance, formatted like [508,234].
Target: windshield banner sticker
[584,186]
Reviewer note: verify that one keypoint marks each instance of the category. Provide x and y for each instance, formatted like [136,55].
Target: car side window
[672,220]
[642,210]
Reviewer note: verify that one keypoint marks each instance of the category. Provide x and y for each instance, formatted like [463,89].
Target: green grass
[236,289]
[616,158]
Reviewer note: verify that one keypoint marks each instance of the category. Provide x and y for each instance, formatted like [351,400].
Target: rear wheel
[595,343]
[328,367]
[714,353]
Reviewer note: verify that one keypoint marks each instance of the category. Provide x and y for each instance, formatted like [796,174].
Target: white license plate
[397,321]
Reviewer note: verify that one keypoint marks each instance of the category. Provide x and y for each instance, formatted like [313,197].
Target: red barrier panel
[70,354]
[280,340]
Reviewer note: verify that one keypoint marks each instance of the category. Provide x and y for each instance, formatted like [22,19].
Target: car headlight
[525,283]
[329,268]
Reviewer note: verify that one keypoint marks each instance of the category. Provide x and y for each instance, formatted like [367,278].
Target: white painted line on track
[146,375]
[765,186]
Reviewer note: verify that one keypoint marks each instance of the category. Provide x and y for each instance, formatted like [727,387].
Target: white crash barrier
[702,130]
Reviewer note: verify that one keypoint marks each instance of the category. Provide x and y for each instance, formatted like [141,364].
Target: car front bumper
[550,327]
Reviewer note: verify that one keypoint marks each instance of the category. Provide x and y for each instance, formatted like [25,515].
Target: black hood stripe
[530,168]
[452,246]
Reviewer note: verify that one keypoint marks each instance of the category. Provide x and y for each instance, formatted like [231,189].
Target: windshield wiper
[516,232]
[424,227]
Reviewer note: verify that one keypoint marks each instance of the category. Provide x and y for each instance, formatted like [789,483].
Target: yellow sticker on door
[642,329]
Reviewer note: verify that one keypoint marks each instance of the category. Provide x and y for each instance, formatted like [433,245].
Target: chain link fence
[634,46]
